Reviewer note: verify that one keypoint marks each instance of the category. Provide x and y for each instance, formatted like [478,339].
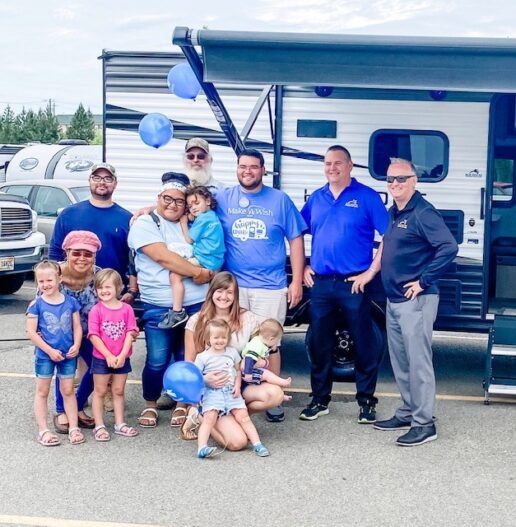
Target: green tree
[82,125]
[48,126]
[8,126]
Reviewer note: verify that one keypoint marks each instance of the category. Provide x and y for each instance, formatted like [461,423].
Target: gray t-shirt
[210,361]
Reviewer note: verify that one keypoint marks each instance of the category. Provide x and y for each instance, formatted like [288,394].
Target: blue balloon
[182,82]
[183,381]
[155,129]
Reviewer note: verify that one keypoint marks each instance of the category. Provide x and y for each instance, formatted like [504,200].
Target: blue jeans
[163,347]
[45,366]
[332,297]
[86,386]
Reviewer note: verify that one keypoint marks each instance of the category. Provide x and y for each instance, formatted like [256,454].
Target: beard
[199,176]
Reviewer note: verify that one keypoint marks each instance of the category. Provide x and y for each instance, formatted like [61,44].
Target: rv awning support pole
[212,95]
[255,112]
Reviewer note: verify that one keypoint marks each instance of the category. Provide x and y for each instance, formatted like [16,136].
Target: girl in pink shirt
[111,330]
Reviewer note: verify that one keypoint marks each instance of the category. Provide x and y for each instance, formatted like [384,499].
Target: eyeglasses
[200,157]
[243,168]
[169,200]
[105,179]
[398,179]
[77,253]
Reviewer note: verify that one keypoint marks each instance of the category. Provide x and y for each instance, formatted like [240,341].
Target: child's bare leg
[41,402]
[100,383]
[209,419]
[118,390]
[178,291]
[69,401]
[242,417]
[272,378]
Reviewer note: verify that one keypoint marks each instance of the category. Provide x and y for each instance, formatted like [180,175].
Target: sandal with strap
[51,439]
[189,429]
[178,417]
[146,421]
[125,430]
[75,436]
[101,434]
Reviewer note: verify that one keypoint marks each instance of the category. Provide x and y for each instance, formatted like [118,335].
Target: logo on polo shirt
[249,229]
[403,224]
[352,203]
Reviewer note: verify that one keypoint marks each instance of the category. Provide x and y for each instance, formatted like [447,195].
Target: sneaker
[367,414]
[392,424]
[261,450]
[172,318]
[206,451]
[275,415]
[418,435]
[313,411]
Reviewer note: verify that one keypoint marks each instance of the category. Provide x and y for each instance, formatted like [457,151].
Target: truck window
[19,190]
[49,199]
[428,151]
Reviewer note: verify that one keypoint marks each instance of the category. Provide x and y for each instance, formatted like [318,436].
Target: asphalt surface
[324,473]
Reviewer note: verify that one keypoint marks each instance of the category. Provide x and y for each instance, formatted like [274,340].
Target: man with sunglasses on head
[343,217]
[198,162]
[101,215]
[416,250]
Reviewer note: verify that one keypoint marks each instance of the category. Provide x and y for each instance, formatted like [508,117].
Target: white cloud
[64,13]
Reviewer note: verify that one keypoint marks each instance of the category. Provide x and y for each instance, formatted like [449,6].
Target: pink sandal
[75,436]
[125,430]
[101,434]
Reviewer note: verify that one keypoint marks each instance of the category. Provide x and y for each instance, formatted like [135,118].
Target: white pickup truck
[21,246]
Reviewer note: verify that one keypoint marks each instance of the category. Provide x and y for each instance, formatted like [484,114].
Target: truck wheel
[9,284]
[343,366]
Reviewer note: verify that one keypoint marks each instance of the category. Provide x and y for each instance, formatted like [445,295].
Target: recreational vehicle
[447,104]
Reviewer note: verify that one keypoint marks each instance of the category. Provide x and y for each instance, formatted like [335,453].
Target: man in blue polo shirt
[416,250]
[343,217]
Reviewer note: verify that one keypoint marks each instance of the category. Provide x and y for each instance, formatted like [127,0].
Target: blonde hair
[46,265]
[270,327]
[222,280]
[106,275]
[216,323]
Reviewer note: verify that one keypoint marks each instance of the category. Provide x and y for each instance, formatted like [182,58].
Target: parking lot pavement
[329,472]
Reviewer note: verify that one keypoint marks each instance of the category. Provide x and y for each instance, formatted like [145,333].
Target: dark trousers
[331,299]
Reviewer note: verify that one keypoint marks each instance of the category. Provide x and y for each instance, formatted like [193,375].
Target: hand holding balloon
[183,382]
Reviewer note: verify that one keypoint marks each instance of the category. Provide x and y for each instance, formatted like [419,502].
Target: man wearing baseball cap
[101,215]
[197,162]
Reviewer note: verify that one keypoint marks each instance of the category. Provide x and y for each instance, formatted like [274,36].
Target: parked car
[21,246]
[48,199]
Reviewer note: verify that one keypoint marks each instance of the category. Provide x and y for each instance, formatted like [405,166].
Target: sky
[50,49]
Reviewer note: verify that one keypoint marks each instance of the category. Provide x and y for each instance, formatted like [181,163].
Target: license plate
[7,263]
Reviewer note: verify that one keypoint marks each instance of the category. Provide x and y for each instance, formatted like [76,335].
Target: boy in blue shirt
[207,239]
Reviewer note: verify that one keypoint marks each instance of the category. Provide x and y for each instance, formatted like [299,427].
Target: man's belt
[337,277]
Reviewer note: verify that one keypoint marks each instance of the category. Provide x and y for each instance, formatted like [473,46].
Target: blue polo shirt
[343,229]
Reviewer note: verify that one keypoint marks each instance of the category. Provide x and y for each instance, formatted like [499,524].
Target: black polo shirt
[416,246]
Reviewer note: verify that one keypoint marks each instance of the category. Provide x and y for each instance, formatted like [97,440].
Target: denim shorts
[44,368]
[221,399]
[100,367]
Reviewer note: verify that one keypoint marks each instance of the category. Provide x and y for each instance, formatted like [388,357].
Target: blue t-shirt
[343,229]
[208,237]
[153,279]
[110,224]
[55,323]
[255,227]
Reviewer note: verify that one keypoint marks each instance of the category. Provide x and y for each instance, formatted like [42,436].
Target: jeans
[332,299]
[86,386]
[45,366]
[163,347]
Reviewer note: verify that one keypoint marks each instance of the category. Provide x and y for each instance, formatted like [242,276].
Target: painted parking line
[41,521]
[440,396]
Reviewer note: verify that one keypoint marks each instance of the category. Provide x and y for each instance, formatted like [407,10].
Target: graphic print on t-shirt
[249,229]
[114,330]
[55,324]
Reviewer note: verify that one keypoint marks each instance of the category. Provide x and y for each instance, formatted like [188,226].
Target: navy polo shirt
[416,246]
[343,229]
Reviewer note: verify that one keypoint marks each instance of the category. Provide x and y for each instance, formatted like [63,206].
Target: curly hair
[203,192]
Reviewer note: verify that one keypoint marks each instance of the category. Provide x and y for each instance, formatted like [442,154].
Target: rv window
[428,150]
[49,199]
[503,179]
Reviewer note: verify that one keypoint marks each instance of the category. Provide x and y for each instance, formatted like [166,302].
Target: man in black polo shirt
[416,250]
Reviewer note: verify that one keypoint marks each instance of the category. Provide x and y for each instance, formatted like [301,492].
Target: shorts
[221,399]
[44,368]
[266,303]
[100,367]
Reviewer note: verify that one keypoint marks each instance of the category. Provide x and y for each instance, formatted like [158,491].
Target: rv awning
[465,64]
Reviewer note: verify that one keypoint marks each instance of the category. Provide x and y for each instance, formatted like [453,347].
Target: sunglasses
[169,200]
[77,253]
[398,179]
[106,179]
[200,156]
